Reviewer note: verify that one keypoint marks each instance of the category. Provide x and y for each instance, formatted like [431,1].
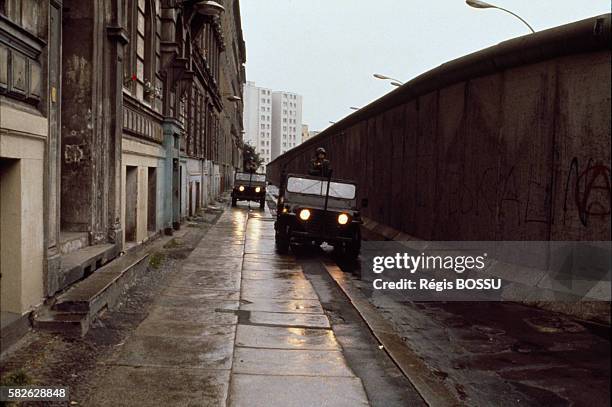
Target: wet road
[482,353]
[240,325]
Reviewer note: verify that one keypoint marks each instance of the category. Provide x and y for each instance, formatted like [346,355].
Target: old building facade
[119,119]
[29,133]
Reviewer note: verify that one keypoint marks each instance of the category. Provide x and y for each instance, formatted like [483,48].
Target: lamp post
[232,98]
[483,4]
[395,82]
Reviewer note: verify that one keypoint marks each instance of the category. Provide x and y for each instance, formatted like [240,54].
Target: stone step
[71,312]
[79,264]
[91,294]
[65,323]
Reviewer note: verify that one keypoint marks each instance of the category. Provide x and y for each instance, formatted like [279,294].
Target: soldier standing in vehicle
[319,165]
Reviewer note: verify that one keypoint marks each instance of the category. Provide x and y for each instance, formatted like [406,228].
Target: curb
[430,388]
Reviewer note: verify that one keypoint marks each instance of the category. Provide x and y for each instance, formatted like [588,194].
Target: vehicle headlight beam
[305,214]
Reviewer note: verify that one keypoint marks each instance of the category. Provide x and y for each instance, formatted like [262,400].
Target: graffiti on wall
[588,188]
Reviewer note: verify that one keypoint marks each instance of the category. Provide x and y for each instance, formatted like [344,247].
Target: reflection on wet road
[286,352]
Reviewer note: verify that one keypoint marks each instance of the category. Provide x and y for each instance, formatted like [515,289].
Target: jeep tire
[281,239]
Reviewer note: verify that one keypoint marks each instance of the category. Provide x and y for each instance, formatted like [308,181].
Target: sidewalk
[239,325]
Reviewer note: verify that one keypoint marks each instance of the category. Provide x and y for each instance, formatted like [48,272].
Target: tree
[251,158]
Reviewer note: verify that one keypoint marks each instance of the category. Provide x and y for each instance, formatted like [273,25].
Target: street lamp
[234,98]
[482,4]
[385,77]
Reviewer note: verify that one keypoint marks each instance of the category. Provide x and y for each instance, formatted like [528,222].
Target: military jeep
[249,187]
[314,209]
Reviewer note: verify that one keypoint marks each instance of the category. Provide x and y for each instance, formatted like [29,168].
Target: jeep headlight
[343,219]
[241,188]
[305,214]
[257,190]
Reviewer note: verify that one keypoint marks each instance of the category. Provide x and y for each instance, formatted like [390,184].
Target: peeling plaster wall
[77,117]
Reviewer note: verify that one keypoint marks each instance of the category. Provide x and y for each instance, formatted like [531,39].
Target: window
[139,56]
[149,40]
[27,15]
[128,65]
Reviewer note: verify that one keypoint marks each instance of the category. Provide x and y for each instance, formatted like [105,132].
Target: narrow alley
[369,210]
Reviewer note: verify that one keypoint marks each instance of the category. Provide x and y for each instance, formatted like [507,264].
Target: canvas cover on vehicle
[246,177]
[318,187]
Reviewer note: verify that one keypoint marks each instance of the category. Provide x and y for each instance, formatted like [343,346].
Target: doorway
[152,200]
[131,202]
[190,191]
[10,235]
[198,202]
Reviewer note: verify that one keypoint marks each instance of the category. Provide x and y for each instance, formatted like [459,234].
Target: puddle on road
[554,325]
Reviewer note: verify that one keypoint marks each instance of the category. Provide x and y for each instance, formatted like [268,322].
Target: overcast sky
[327,50]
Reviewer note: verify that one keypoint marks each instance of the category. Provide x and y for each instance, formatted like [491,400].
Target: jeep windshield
[245,176]
[318,187]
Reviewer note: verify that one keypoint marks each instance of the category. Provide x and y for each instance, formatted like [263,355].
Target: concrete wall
[511,143]
[22,153]
[276,126]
